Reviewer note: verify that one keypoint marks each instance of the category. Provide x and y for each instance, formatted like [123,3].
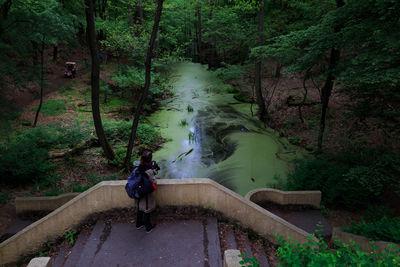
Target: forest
[323,76]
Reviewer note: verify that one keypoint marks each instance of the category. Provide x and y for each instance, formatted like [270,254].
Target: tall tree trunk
[5,8]
[326,90]
[142,99]
[55,53]
[41,83]
[91,33]
[140,12]
[198,31]
[257,75]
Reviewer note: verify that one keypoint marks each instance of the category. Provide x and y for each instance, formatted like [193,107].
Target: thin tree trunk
[257,75]
[55,53]
[327,88]
[41,83]
[5,8]
[198,32]
[109,153]
[142,99]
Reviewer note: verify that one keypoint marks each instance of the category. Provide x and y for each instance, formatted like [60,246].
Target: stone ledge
[200,192]
[363,242]
[32,204]
[40,262]
[231,258]
[310,198]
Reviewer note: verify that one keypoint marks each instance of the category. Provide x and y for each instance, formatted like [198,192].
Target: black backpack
[138,184]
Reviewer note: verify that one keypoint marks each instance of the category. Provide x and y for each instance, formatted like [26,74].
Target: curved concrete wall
[107,195]
[28,204]
[311,198]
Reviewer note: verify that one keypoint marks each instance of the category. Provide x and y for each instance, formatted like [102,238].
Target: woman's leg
[139,219]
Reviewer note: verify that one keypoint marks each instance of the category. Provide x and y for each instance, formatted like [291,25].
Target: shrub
[121,130]
[352,180]
[230,72]
[55,136]
[292,254]
[386,229]
[23,162]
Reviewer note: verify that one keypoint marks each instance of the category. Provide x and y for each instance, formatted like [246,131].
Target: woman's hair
[147,156]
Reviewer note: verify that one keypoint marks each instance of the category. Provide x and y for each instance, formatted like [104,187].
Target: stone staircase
[172,243]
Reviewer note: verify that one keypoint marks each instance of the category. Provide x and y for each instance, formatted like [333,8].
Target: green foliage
[189,108]
[119,131]
[78,187]
[53,107]
[52,192]
[4,197]
[55,135]
[385,228]
[352,179]
[291,253]
[183,123]
[45,252]
[375,212]
[248,262]
[230,72]
[70,237]
[23,162]
[24,159]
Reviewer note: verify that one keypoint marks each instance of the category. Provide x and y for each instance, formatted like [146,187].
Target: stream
[212,135]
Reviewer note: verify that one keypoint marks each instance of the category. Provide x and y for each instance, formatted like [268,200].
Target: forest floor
[343,129]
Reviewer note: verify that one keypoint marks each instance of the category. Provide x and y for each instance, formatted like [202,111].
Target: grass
[189,108]
[53,107]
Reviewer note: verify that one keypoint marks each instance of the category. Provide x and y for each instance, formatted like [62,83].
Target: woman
[146,204]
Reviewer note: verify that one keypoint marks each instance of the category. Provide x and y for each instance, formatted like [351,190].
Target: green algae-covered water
[212,135]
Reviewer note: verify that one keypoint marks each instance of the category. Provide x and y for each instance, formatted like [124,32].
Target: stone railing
[29,204]
[309,198]
[108,195]
[363,242]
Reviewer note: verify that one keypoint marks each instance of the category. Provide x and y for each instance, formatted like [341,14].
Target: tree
[91,33]
[261,112]
[146,87]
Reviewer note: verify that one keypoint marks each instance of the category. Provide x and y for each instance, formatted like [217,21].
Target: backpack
[138,184]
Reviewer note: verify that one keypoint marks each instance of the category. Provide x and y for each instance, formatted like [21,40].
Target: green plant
[189,108]
[192,137]
[23,162]
[248,262]
[183,123]
[94,178]
[375,212]
[386,229]
[4,197]
[46,251]
[70,237]
[52,192]
[53,107]
[352,179]
[77,187]
[290,253]
[119,132]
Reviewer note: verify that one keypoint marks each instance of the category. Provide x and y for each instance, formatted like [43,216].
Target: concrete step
[230,239]
[178,243]
[61,256]
[77,250]
[86,256]
[213,246]
[172,243]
